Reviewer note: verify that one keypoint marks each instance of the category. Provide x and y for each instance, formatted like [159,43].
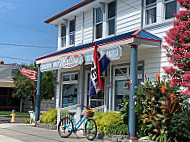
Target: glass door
[98,99]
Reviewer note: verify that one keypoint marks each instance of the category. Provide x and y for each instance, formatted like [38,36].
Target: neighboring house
[7,102]
[117,26]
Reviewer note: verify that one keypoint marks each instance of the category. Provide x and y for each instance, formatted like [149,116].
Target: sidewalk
[26,133]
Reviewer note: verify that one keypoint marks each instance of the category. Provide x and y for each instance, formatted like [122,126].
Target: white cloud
[6,6]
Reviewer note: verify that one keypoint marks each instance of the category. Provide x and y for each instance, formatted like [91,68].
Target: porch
[131,57]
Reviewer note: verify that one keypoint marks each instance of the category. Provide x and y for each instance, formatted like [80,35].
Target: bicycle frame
[78,124]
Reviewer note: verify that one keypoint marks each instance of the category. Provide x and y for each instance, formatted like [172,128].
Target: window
[121,82]
[111,18]
[150,11]
[170,8]
[63,35]
[69,89]
[98,23]
[72,32]
[13,72]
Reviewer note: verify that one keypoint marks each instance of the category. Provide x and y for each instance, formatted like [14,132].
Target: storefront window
[121,89]
[69,89]
[122,83]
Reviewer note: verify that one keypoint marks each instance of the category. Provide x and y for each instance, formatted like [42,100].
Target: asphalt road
[26,133]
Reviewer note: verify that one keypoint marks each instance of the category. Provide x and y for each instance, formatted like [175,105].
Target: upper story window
[170,8]
[111,18]
[158,11]
[72,32]
[63,35]
[105,18]
[150,11]
[99,23]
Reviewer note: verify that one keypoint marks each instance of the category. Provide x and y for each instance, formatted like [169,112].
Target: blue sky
[22,23]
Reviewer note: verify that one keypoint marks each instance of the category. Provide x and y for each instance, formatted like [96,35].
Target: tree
[25,88]
[178,51]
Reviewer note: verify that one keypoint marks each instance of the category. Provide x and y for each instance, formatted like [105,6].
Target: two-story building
[117,26]
[7,102]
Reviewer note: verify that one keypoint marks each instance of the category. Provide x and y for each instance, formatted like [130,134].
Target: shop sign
[70,61]
[113,53]
[63,62]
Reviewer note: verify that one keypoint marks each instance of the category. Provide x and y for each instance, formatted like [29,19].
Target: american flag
[31,74]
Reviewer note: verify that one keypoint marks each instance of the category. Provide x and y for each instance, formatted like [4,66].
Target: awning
[77,55]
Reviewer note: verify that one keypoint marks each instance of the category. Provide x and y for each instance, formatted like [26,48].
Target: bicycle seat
[72,113]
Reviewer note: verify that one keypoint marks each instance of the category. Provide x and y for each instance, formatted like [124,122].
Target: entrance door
[99,98]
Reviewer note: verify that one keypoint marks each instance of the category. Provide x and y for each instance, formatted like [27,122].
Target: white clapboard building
[117,26]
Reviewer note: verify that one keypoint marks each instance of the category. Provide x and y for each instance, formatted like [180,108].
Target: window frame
[112,18]
[70,81]
[63,37]
[72,32]
[98,23]
[120,78]
[165,3]
[149,7]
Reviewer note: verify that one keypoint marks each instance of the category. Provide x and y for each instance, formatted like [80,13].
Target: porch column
[133,79]
[38,95]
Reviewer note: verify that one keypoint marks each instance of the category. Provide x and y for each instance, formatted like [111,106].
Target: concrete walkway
[26,133]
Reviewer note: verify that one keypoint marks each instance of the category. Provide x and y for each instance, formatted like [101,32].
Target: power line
[24,45]
[13,58]
[24,27]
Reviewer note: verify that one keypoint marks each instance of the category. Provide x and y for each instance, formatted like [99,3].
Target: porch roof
[139,34]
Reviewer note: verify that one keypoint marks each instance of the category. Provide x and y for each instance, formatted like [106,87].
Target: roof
[142,34]
[4,66]
[6,84]
[83,3]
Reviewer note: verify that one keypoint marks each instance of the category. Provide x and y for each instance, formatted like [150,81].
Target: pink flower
[187,55]
[169,70]
[165,47]
[186,93]
[186,77]
[180,65]
[186,46]
[187,72]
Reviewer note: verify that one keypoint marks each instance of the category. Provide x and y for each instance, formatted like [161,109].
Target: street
[26,133]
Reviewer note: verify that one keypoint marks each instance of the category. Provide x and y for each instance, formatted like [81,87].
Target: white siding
[128,16]
[88,26]
[160,31]
[78,32]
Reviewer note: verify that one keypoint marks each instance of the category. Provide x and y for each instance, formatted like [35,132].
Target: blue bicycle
[67,125]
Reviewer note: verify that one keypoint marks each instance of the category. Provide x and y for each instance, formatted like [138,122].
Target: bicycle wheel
[65,127]
[90,129]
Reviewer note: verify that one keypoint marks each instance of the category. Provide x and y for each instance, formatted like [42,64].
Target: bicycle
[68,125]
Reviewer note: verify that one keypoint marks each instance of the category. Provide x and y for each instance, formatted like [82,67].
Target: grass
[18,114]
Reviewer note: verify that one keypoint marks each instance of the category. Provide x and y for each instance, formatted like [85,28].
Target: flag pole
[38,96]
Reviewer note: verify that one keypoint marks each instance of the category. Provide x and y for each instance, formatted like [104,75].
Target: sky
[22,26]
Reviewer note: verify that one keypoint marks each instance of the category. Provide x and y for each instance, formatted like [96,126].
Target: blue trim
[148,35]
[143,34]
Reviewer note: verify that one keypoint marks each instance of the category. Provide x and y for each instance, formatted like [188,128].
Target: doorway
[98,99]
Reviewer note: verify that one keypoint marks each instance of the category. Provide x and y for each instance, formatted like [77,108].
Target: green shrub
[49,117]
[26,121]
[180,125]
[120,129]
[157,102]
[105,119]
